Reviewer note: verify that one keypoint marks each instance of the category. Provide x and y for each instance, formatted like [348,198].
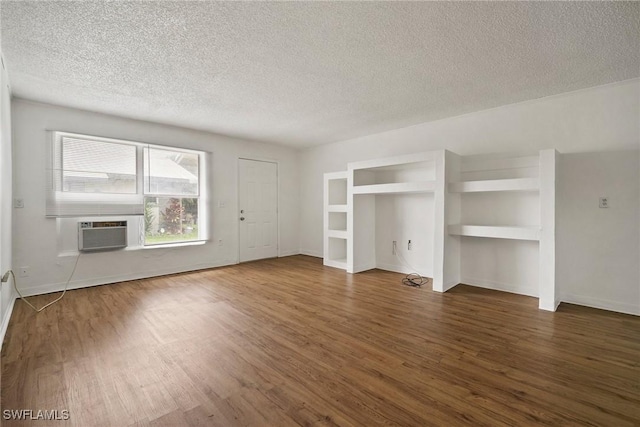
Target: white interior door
[258,210]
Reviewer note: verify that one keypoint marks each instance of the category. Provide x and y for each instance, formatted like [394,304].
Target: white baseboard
[399,268]
[498,286]
[364,267]
[393,267]
[288,253]
[450,285]
[553,307]
[5,320]
[97,281]
[617,306]
[445,287]
[312,253]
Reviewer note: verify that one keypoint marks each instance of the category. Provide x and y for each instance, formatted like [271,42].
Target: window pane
[170,172]
[98,167]
[170,219]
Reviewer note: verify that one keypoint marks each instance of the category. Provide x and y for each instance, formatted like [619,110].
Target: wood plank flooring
[289,342]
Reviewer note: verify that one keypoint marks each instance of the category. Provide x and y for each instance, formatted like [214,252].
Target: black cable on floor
[414,280]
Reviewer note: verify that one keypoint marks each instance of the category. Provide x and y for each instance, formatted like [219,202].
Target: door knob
[241,218]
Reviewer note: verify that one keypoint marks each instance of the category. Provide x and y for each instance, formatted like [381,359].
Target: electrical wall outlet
[220,242]
[409,245]
[23,272]
[18,203]
[394,248]
[604,202]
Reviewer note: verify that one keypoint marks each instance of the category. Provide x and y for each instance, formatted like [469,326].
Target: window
[98,167]
[171,195]
[92,176]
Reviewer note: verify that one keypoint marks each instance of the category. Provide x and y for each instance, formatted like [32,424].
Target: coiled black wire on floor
[415,280]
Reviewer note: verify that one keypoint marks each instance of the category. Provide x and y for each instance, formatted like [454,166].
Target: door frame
[265,160]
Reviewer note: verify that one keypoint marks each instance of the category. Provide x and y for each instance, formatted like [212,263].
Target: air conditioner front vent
[102,235]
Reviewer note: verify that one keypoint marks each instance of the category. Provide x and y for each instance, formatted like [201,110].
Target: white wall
[597,250]
[596,120]
[405,217]
[509,265]
[6,293]
[36,242]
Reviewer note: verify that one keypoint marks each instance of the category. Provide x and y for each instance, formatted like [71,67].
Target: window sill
[137,248]
[169,245]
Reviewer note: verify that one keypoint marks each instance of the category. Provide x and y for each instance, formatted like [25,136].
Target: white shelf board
[330,176]
[489,162]
[337,208]
[496,232]
[398,187]
[518,184]
[337,263]
[337,234]
[397,161]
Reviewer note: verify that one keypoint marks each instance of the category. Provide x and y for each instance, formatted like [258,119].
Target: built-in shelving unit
[518,204]
[505,197]
[399,175]
[335,220]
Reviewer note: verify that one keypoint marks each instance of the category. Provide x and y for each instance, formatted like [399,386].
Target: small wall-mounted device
[102,235]
[604,202]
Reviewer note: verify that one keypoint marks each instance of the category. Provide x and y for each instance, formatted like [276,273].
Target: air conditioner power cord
[66,285]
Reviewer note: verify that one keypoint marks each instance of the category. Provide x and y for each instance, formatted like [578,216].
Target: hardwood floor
[287,341]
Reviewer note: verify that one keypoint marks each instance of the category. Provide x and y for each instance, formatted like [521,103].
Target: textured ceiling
[306,73]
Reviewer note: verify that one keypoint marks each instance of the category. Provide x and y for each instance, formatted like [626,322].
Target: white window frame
[62,203]
[176,196]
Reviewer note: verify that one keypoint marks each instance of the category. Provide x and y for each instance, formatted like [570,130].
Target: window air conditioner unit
[102,235]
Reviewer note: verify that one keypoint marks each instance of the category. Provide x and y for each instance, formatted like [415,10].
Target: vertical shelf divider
[446,247]
[548,295]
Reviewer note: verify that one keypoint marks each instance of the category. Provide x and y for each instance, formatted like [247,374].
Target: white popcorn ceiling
[307,73]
